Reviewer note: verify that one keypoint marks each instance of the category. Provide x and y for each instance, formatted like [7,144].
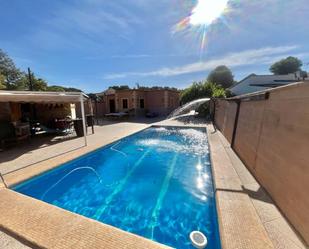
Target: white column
[83,116]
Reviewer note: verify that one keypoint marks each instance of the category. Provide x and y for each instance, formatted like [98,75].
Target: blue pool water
[156,183]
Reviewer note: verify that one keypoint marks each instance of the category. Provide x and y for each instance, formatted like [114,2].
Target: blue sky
[92,44]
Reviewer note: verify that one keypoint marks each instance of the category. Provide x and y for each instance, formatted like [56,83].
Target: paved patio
[42,148]
[7,241]
[247,216]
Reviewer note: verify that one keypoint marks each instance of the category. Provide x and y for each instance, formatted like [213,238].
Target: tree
[39,84]
[56,88]
[156,88]
[122,87]
[201,90]
[222,76]
[2,82]
[8,70]
[11,78]
[71,89]
[94,97]
[23,83]
[285,66]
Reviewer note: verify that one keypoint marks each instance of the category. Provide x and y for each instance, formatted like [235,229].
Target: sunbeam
[207,11]
[202,15]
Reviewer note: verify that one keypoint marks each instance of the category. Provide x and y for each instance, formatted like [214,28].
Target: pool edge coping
[237,229]
[224,233]
[76,226]
[11,183]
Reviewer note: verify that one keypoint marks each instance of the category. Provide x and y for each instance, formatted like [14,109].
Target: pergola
[47,97]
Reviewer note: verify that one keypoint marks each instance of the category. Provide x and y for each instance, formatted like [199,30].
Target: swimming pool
[156,183]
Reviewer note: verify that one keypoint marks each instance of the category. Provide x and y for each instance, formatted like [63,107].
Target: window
[142,103]
[124,103]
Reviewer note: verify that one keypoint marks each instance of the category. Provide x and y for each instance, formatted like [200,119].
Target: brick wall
[272,139]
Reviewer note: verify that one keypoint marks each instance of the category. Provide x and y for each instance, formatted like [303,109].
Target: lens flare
[206,11]
[202,15]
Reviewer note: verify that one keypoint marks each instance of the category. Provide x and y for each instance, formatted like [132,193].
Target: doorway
[112,106]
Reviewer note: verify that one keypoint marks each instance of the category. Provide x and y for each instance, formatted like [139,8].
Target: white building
[254,83]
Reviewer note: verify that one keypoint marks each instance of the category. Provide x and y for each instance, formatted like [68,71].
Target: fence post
[238,102]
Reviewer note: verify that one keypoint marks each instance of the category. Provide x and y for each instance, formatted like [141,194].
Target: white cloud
[87,23]
[264,55]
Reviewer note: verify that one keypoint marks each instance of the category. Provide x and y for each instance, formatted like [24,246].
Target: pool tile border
[47,226]
[239,225]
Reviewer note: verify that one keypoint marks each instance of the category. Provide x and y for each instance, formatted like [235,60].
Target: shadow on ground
[139,120]
[33,143]
[259,194]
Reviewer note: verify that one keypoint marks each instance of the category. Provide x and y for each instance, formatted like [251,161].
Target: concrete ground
[42,148]
[45,147]
[248,217]
[6,241]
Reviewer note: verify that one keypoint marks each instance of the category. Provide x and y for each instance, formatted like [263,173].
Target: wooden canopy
[47,97]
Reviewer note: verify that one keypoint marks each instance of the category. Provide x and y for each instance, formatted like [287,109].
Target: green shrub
[201,90]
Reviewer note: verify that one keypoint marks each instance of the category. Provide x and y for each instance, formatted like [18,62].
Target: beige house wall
[138,96]
[173,100]
[120,95]
[272,139]
[159,101]
[109,97]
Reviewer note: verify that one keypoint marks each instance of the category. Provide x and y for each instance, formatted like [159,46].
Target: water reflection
[201,180]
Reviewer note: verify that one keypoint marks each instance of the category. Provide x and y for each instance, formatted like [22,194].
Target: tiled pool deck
[247,216]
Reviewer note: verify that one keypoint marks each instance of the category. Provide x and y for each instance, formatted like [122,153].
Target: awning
[47,97]
[42,97]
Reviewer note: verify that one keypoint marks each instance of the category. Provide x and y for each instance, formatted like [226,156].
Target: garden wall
[272,139]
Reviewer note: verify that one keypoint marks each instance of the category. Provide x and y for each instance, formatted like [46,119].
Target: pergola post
[83,116]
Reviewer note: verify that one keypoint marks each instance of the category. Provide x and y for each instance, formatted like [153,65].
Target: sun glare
[207,11]
[203,14]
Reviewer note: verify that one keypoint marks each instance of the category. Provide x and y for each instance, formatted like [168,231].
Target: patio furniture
[64,126]
[22,129]
[117,114]
[8,135]
[78,126]
[152,114]
[90,122]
